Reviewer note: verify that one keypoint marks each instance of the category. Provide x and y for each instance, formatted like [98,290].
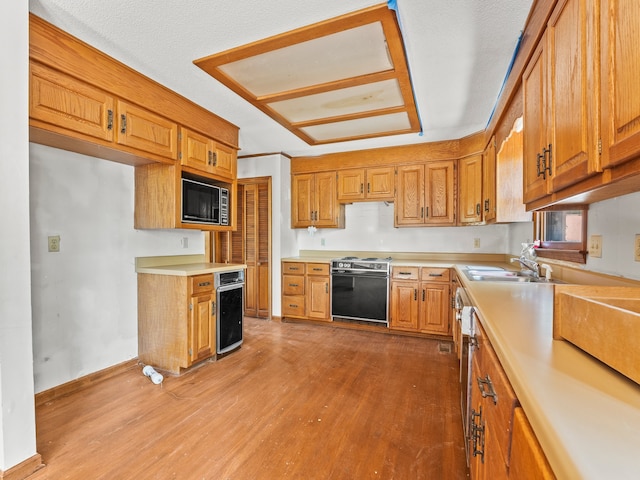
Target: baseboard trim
[83,382]
[23,469]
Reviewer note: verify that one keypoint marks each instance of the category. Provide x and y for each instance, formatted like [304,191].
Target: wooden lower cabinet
[305,291]
[420,300]
[528,461]
[502,443]
[176,320]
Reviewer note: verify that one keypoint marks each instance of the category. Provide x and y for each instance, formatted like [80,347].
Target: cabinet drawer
[404,273]
[317,269]
[292,285]
[293,306]
[201,283]
[293,267]
[429,274]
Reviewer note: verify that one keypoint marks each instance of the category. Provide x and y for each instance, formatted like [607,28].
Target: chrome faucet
[530,267]
[527,261]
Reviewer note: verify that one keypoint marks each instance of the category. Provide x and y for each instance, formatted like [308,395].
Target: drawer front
[317,269]
[292,285]
[430,274]
[293,306]
[201,283]
[296,268]
[405,273]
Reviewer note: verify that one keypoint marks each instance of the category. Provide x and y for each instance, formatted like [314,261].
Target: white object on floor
[154,376]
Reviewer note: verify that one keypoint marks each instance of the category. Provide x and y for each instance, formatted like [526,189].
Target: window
[561,233]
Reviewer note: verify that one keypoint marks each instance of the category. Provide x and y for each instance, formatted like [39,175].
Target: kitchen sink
[497,275]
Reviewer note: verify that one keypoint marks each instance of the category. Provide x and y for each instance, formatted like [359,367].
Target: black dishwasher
[229,310]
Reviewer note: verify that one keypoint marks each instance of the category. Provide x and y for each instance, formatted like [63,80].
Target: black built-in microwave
[205,203]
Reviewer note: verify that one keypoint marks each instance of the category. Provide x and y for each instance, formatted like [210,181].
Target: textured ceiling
[458,53]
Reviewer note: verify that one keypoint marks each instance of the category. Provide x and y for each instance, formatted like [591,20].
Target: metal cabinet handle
[123,123]
[109,119]
[435,274]
[547,163]
[415,293]
[423,294]
[293,284]
[477,433]
[486,205]
[215,159]
[477,209]
[489,391]
[204,284]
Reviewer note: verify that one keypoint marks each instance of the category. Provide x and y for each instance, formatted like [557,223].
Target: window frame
[568,251]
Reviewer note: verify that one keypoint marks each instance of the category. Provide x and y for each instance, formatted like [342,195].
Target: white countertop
[188,269]
[182,265]
[586,416]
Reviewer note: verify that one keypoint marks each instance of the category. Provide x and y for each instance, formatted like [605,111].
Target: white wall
[17,409]
[85,296]
[369,227]
[618,221]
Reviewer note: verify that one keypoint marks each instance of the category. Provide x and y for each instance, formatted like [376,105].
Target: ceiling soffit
[342,79]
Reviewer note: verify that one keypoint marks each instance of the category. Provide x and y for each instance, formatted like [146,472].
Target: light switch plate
[595,246]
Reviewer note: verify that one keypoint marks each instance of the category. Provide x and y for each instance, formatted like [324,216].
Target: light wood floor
[297,401]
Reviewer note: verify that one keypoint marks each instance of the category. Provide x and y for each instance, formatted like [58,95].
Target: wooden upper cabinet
[470,190]
[439,182]
[314,201]
[409,204]
[534,141]
[560,102]
[571,85]
[489,203]
[425,194]
[620,70]
[143,130]
[202,153]
[357,184]
[60,100]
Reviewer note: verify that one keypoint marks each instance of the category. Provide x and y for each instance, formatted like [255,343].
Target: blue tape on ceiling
[506,77]
[393,5]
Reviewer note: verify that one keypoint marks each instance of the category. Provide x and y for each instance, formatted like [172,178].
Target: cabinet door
[351,185]
[489,207]
[317,300]
[528,461]
[572,122]
[409,204]
[326,200]
[439,193]
[434,308]
[380,183]
[535,129]
[196,150]
[140,129]
[404,306]
[63,101]
[302,187]
[620,57]
[202,327]
[470,189]
[224,161]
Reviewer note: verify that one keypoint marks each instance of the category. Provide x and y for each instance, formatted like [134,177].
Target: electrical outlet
[184,242]
[54,243]
[595,246]
[476,243]
[636,248]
